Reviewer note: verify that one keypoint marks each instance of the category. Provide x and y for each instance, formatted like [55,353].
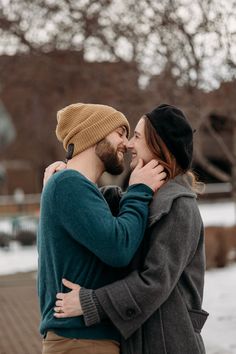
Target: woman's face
[138,147]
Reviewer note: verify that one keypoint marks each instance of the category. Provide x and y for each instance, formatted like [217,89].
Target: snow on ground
[18,259]
[219,332]
[220,213]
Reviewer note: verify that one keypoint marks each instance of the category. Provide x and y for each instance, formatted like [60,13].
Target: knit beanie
[84,125]
[174,129]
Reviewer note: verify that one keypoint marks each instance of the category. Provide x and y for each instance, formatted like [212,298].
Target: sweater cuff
[92,310]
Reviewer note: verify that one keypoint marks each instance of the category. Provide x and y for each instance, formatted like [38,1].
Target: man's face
[111,151]
[138,146]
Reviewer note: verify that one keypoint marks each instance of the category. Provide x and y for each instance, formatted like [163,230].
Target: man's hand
[68,304]
[152,174]
[51,169]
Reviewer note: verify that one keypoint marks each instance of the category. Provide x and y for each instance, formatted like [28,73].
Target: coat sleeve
[131,301]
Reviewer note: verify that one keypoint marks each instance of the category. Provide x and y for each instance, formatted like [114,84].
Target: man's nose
[130,144]
[125,141]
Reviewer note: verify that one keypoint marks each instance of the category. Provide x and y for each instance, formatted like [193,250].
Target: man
[79,239]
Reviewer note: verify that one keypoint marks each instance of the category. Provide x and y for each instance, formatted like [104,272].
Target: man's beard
[108,155]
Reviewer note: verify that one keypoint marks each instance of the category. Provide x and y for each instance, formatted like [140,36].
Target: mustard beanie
[84,125]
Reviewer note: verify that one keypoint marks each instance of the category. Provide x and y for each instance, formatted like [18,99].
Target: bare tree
[190,36]
[194,41]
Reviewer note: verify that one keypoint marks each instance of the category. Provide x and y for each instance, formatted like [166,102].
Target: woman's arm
[131,301]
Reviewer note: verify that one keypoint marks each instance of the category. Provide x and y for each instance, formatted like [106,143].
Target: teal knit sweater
[80,240]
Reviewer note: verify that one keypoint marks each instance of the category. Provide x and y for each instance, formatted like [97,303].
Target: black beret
[174,129]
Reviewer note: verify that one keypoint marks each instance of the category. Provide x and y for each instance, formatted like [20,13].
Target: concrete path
[19,315]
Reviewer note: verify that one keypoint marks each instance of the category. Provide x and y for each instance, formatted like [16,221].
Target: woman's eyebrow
[137,133]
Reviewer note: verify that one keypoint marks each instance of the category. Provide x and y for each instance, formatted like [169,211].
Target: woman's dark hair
[166,158]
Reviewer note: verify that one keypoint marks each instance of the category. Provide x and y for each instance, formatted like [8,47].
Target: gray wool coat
[157,307]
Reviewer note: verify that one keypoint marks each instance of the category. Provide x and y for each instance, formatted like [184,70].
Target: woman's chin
[133,164]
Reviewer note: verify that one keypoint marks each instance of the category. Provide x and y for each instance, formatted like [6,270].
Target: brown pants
[54,344]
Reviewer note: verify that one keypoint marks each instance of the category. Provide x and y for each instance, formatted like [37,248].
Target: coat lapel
[163,199]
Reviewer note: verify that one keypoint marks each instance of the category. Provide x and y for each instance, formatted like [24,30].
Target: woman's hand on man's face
[68,304]
[51,169]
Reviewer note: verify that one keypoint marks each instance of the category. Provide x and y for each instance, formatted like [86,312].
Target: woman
[157,306]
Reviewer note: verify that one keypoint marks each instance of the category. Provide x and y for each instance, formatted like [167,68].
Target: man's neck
[88,164]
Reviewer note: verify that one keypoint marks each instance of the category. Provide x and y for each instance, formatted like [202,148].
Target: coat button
[130,312]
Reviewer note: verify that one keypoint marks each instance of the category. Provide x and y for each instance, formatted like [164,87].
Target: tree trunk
[234,170]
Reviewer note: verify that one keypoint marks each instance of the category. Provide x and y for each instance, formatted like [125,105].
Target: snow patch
[18,259]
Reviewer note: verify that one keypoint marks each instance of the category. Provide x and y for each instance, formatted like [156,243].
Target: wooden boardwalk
[19,315]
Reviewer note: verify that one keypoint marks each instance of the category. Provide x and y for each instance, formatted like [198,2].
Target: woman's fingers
[70,285]
[51,169]
[59,303]
[58,313]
